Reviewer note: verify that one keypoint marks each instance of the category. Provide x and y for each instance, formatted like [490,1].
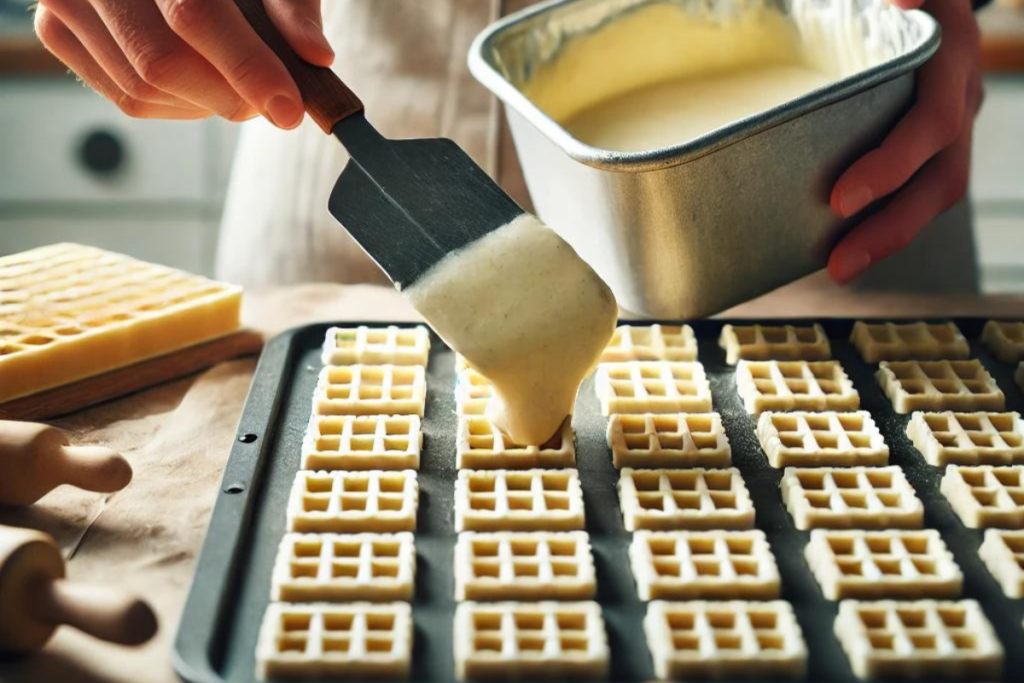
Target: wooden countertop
[1002,46]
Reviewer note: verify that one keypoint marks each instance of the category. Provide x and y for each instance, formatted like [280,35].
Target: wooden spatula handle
[326,98]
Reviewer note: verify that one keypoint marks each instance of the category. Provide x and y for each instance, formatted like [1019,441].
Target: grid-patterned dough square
[669,440]
[530,640]
[1003,553]
[371,390]
[354,640]
[346,502]
[472,392]
[332,567]
[481,445]
[725,640]
[909,341]
[1004,340]
[968,438]
[851,498]
[651,342]
[653,387]
[924,640]
[782,342]
[684,499]
[870,565]
[986,496]
[939,385]
[521,565]
[362,345]
[685,565]
[795,385]
[68,312]
[821,439]
[518,500]
[362,442]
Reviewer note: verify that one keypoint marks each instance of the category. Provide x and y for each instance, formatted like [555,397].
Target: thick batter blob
[529,314]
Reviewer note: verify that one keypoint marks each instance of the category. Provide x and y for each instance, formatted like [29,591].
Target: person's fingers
[79,17]
[938,186]
[935,122]
[301,24]
[165,61]
[58,39]
[908,4]
[249,66]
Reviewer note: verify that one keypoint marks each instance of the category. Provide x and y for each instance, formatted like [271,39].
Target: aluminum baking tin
[689,230]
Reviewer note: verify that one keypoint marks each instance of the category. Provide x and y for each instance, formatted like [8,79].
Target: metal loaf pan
[688,230]
[217,634]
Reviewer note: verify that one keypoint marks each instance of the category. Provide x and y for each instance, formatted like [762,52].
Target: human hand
[923,165]
[184,59]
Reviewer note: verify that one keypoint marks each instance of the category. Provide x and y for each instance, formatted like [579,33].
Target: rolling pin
[35,598]
[37,458]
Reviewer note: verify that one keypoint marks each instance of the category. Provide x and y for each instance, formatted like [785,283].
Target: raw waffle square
[963,385]
[346,502]
[986,496]
[783,342]
[821,439]
[68,312]
[1003,553]
[362,345]
[519,565]
[362,442]
[685,565]
[371,390]
[1004,340]
[851,498]
[333,567]
[725,640]
[968,438]
[481,445]
[518,500]
[924,640]
[651,342]
[909,341]
[653,387]
[472,392]
[669,440]
[684,499]
[530,640]
[870,565]
[354,640]
[795,385]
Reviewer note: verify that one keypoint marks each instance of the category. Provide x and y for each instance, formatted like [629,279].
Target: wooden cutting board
[132,378]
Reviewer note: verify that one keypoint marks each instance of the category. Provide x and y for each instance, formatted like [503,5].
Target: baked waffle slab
[968,438]
[363,345]
[68,312]
[909,341]
[651,342]
[821,439]
[851,497]
[530,640]
[684,499]
[963,385]
[725,640]
[1003,553]
[235,573]
[795,385]
[986,496]
[922,640]
[765,342]
[653,387]
[673,440]
[1004,340]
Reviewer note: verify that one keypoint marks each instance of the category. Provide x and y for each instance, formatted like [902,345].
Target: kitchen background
[73,168]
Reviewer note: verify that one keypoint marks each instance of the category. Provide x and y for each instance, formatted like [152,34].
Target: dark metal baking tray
[217,635]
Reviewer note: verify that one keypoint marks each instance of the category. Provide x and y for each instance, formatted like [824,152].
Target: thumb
[908,4]
[301,24]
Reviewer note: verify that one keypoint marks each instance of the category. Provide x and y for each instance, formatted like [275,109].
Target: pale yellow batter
[529,314]
[676,111]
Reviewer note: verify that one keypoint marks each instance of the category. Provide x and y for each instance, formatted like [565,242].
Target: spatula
[408,203]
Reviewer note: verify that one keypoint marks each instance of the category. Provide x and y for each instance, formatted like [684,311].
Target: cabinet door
[186,244]
[62,142]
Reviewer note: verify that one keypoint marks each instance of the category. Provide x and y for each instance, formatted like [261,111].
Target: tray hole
[248,437]
[235,488]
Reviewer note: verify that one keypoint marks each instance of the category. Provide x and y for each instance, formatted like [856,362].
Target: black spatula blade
[409,203]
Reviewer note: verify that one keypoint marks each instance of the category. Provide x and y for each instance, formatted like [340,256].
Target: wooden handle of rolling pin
[325,96]
[101,612]
[36,458]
